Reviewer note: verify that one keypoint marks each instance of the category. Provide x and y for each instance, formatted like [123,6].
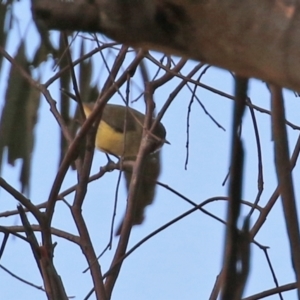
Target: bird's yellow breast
[121,129]
[113,142]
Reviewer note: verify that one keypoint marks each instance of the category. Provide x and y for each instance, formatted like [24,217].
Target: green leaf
[19,118]
[5,17]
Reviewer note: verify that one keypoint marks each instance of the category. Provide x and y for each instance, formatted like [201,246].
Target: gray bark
[254,38]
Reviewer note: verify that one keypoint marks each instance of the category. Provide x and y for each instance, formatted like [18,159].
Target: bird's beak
[166,142]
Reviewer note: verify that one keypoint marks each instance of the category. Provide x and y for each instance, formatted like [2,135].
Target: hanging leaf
[85,75]
[18,118]
[65,99]
[5,17]
[31,120]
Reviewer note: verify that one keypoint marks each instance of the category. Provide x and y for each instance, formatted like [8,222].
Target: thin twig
[21,279]
[284,176]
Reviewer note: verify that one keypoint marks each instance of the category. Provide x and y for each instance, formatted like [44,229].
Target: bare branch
[284,176]
[255,38]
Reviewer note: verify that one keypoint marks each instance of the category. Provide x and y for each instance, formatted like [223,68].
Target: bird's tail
[146,189]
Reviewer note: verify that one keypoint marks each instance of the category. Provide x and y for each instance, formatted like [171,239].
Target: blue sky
[183,261]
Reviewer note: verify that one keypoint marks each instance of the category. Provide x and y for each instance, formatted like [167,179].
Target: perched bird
[119,133]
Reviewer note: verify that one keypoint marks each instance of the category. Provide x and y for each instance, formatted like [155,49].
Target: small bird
[120,133]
